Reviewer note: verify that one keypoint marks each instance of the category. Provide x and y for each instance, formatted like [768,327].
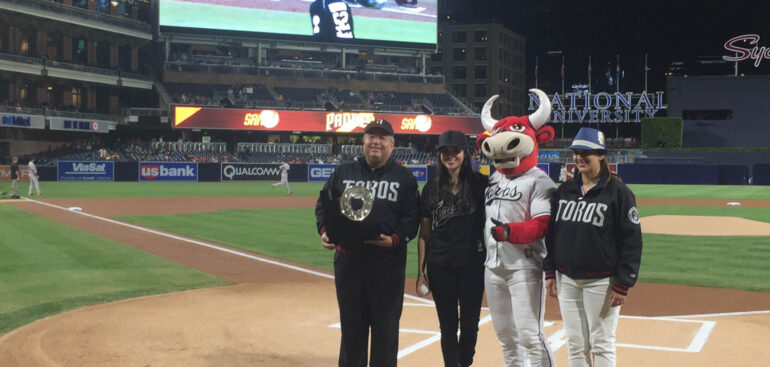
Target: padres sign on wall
[250,172]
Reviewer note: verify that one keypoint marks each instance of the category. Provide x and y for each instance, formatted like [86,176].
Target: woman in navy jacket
[594,247]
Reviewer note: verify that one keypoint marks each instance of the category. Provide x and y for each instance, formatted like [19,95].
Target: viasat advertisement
[86,171]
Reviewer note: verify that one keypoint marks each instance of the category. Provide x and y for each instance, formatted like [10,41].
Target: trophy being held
[347,223]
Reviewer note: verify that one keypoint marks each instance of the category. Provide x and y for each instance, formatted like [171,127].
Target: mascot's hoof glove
[500,231]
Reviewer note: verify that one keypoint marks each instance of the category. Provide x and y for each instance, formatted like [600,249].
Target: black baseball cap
[379,124]
[451,138]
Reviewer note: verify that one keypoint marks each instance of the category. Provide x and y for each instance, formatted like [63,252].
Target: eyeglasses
[373,137]
[586,153]
[450,151]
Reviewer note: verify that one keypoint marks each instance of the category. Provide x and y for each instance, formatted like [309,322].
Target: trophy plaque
[346,216]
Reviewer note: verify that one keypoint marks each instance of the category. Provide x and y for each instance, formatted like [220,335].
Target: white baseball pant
[516,301]
[33,183]
[589,321]
[284,181]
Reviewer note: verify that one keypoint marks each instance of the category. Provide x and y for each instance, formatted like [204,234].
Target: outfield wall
[678,174]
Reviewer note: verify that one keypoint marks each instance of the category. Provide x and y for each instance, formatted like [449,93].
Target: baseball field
[233,274]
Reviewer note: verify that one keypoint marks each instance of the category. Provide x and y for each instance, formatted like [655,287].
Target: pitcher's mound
[689,225]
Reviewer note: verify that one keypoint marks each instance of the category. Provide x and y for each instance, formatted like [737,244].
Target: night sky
[690,32]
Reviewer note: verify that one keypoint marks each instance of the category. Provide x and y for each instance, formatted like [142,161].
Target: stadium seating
[307,96]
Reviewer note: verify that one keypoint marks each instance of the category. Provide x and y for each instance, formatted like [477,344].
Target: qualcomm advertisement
[86,171]
[167,171]
[320,172]
[250,172]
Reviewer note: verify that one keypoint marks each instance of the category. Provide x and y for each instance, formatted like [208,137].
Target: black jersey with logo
[457,223]
[396,209]
[596,234]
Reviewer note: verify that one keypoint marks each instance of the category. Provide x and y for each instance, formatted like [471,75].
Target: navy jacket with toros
[595,235]
[396,209]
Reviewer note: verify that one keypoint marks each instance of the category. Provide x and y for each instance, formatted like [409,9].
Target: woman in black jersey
[451,245]
[594,247]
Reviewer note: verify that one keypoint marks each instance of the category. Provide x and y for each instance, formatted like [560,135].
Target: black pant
[370,294]
[449,286]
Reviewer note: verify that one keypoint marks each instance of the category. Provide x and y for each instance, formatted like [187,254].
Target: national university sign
[584,107]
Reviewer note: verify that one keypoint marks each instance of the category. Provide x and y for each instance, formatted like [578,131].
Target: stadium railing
[303,72]
[59,113]
[283,148]
[185,146]
[64,65]
[68,10]
[137,111]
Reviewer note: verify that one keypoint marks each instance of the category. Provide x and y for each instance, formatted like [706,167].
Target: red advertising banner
[190,117]
[5,173]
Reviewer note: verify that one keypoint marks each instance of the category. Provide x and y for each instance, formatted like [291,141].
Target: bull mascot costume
[518,211]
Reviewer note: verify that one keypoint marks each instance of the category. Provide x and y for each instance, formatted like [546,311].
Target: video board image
[342,21]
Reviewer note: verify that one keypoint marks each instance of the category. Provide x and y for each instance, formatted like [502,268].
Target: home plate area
[420,338]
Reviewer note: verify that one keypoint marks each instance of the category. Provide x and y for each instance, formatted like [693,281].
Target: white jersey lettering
[599,218]
[589,213]
[393,194]
[568,208]
[385,190]
[581,212]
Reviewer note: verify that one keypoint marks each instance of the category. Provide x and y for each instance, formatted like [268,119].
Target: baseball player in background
[284,167]
[33,176]
[517,213]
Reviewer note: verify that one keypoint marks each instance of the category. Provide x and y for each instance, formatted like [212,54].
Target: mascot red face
[511,143]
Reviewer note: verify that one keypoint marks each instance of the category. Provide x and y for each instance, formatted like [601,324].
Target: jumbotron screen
[335,21]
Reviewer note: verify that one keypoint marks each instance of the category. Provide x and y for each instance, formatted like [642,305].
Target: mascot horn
[511,143]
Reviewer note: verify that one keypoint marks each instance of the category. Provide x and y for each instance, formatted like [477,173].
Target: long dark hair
[606,169]
[466,181]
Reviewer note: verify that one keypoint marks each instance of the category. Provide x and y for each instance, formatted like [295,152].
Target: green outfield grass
[709,261]
[721,192]
[198,189]
[47,267]
[289,234]
[53,190]
[692,260]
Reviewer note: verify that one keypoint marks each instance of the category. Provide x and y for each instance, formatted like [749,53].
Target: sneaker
[289,193]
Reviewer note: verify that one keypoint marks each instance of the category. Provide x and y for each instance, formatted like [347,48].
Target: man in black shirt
[15,175]
[369,273]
